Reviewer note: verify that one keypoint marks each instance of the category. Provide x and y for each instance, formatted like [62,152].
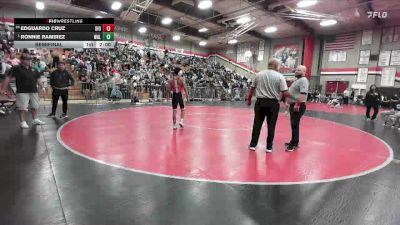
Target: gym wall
[339,70]
[152,38]
[231,52]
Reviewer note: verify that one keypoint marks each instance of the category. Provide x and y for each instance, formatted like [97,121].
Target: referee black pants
[56,96]
[265,108]
[295,118]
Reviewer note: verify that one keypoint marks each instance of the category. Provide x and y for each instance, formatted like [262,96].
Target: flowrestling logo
[380,15]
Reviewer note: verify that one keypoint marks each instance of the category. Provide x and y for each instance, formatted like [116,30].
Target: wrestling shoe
[181,124]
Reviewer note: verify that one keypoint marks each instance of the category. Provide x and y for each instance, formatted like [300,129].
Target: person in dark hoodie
[372,100]
[60,80]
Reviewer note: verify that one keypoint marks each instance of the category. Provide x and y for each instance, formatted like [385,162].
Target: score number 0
[108,27]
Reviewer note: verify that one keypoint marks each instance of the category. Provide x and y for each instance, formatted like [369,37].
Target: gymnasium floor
[125,165]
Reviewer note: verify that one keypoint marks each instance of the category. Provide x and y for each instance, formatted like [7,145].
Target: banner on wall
[364,57]
[359,86]
[342,56]
[366,37]
[180,50]
[149,42]
[395,58]
[261,46]
[388,76]
[152,40]
[288,55]
[230,50]
[261,51]
[337,56]
[241,50]
[332,56]
[396,36]
[387,35]
[362,75]
[384,58]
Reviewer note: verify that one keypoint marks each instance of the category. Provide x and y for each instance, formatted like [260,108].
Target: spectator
[346,96]
[372,100]
[55,57]
[60,80]
[27,92]
[352,96]
[116,94]
[317,96]
[395,109]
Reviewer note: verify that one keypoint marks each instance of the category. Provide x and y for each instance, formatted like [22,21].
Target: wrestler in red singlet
[177,86]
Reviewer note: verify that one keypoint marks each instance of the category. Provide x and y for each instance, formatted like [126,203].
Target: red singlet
[177,85]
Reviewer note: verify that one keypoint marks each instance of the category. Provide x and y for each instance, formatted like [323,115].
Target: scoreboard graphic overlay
[64,33]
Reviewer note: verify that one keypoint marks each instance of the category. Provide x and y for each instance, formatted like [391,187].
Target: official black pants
[265,108]
[376,111]
[295,118]
[56,96]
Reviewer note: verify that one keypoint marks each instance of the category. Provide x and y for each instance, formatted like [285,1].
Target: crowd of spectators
[129,68]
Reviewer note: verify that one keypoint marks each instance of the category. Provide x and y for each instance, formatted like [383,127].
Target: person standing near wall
[55,57]
[298,89]
[346,96]
[317,96]
[269,86]
[352,96]
[372,100]
[60,80]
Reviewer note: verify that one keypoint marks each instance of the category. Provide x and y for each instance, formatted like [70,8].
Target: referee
[298,89]
[269,86]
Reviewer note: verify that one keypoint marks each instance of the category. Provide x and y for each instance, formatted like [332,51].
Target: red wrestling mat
[213,146]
